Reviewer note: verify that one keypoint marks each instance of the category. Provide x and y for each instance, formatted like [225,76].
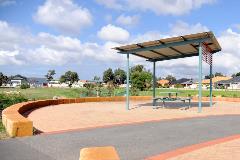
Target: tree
[3,79]
[171,79]
[108,75]
[119,76]
[218,74]
[235,75]
[110,88]
[98,85]
[238,74]
[208,76]
[69,77]
[138,68]
[89,87]
[50,75]
[213,75]
[96,78]
[140,78]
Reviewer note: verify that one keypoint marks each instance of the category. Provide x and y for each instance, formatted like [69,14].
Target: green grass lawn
[46,93]
[205,93]
[49,93]
[3,133]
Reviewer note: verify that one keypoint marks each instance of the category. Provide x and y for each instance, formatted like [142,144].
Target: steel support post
[200,79]
[154,83]
[210,85]
[127,87]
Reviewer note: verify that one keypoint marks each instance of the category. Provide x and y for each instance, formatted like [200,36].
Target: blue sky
[78,35]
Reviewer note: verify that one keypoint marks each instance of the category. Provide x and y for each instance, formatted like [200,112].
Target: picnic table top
[168,98]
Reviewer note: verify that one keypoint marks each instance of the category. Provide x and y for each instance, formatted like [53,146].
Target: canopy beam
[166,45]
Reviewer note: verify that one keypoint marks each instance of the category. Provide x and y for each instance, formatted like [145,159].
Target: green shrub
[110,88]
[7,100]
[87,93]
[222,87]
[178,86]
[235,95]
[24,86]
[134,92]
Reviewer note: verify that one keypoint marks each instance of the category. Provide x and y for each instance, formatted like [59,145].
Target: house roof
[163,81]
[180,81]
[232,80]
[37,80]
[172,48]
[215,79]
[191,81]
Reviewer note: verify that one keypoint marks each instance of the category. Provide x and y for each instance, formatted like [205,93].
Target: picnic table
[171,97]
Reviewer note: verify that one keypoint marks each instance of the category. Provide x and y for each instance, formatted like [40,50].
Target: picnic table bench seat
[170,99]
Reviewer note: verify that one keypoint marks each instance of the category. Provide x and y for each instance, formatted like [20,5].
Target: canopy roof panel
[172,48]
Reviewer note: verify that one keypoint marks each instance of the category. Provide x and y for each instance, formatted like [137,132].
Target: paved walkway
[133,142]
[229,150]
[95,114]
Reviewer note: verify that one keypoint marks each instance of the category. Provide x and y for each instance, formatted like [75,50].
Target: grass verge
[3,134]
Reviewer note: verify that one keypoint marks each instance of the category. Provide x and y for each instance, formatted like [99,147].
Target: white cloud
[148,36]
[45,55]
[113,33]
[9,58]
[159,7]
[19,47]
[229,58]
[183,28]
[63,15]
[10,36]
[128,20]
[104,52]
[58,42]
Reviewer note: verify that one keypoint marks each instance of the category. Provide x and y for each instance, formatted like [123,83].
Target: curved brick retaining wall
[17,125]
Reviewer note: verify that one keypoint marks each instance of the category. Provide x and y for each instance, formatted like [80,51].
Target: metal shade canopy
[202,44]
[171,48]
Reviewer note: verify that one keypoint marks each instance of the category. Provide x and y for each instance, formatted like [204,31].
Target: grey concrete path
[133,142]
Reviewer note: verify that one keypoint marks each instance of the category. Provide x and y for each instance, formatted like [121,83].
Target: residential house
[57,84]
[190,84]
[81,83]
[163,82]
[206,82]
[17,81]
[233,83]
[37,82]
[179,82]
